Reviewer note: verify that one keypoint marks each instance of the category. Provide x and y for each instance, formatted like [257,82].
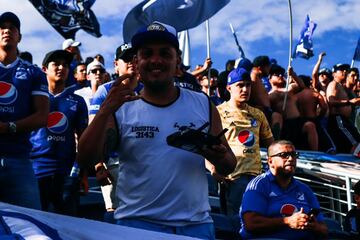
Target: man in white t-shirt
[160,187]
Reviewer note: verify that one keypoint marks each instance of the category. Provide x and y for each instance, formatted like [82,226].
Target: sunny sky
[262,28]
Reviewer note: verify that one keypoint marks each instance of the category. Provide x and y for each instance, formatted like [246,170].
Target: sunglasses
[280,75]
[98,70]
[286,155]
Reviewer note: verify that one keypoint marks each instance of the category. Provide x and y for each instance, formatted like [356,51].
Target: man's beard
[158,86]
[285,174]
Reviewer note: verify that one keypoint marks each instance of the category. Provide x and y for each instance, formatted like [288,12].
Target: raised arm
[101,133]
[206,66]
[296,83]
[315,72]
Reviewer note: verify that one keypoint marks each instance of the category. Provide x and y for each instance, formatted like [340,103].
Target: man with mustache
[276,205]
[160,187]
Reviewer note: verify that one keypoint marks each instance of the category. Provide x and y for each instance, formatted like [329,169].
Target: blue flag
[304,47]
[357,52]
[181,14]
[68,16]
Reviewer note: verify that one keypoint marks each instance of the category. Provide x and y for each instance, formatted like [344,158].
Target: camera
[194,140]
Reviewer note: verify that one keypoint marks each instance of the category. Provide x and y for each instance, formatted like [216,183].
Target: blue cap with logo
[237,75]
[10,17]
[156,31]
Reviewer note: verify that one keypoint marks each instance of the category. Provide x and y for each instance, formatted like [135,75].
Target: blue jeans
[18,184]
[202,231]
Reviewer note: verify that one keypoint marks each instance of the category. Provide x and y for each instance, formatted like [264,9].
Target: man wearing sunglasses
[276,205]
[96,75]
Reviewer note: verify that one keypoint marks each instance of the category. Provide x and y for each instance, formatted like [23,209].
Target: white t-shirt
[158,182]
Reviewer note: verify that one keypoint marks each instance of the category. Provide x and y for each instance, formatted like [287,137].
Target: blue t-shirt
[19,82]
[54,146]
[265,197]
[101,94]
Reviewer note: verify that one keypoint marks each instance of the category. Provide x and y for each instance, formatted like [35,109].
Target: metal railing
[331,178]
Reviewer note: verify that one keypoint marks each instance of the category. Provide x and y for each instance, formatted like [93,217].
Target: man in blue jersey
[160,187]
[54,147]
[24,107]
[276,205]
[124,66]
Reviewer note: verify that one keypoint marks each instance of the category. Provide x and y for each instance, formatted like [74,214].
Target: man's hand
[214,152]
[118,95]
[322,55]
[355,101]
[298,220]
[207,64]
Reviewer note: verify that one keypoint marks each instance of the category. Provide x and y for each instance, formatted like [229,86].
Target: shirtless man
[341,129]
[321,78]
[313,107]
[293,126]
[259,96]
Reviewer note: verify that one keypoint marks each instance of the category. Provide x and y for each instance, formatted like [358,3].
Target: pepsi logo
[288,209]
[246,138]
[57,122]
[8,93]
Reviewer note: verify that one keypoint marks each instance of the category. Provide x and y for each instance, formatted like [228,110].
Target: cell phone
[314,211]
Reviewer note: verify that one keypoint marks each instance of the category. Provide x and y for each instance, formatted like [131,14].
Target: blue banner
[68,16]
[357,52]
[181,14]
[304,47]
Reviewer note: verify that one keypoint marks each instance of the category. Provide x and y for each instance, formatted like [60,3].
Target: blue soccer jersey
[19,81]
[54,146]
[265,197]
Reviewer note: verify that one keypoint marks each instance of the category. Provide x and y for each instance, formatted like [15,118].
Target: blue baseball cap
[245,64]
[156,31]
[237,75]
[10,17]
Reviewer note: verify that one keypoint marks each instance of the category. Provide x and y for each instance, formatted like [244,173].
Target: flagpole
[352,63]
[208,51]
[290,57]
[242,54]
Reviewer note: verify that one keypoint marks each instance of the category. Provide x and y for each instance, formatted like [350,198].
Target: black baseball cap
[325,71]
[261,61]
[125,52]
[10,17]
[156,31]
[276,69]
[56,55]
[341,67]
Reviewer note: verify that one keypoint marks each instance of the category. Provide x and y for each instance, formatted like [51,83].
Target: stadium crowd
[69,117]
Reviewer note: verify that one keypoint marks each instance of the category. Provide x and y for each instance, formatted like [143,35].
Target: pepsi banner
[68,16]
[181,14]
[304,47]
